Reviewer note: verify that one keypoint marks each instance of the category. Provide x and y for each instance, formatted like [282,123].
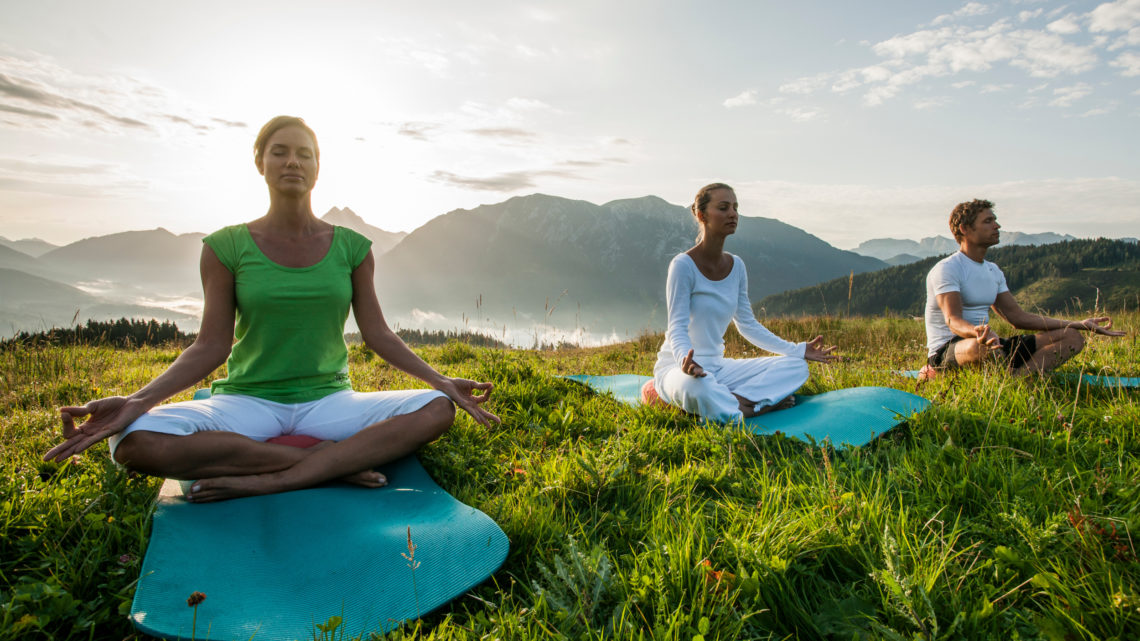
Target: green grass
[1008,510]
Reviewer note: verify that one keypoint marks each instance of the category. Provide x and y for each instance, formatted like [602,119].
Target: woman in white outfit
[706,288]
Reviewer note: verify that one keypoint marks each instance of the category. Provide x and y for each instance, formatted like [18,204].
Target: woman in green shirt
[277,294]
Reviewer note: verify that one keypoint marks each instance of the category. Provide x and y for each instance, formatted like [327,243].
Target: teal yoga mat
[272,567]
[846,417]
[1097,380]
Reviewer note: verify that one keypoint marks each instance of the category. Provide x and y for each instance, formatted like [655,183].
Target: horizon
[862,124]
[332,208]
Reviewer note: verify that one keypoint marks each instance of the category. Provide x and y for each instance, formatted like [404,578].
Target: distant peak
[342,214]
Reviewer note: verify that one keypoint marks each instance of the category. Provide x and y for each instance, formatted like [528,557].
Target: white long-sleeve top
[700,309]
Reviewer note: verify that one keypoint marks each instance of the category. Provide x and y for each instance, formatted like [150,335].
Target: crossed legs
[229,465]
[1053,348]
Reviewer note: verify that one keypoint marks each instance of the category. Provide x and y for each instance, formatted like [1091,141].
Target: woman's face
[721,215]
[289,162]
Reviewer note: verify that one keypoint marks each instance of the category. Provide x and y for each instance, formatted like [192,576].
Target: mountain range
[899,251]
[30,246]
[524,262]
[543,259]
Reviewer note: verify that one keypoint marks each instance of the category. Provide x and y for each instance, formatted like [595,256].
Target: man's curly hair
[966,214]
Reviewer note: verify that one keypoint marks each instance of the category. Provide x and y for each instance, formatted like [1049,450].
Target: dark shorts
[1014,351]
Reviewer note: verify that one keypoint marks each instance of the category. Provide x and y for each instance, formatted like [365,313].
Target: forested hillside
[1073,275]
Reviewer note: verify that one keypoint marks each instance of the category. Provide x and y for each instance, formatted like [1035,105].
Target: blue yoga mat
[1096,380]
[846,417]
[272,567]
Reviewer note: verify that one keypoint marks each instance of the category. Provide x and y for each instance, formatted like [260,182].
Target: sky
[849,120]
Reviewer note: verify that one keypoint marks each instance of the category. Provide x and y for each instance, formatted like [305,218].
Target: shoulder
[682,263]
[228,233]
[952,263]
[350,234]
[354,244]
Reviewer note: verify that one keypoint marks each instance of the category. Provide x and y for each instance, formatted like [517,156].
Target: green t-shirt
[289,337]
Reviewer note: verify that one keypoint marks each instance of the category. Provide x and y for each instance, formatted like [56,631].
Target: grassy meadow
[1008,510]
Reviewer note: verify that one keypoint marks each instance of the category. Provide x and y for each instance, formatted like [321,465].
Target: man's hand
[986,336]
[1099,325]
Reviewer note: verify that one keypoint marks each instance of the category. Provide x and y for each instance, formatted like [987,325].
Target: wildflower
[195,598]
[127,559]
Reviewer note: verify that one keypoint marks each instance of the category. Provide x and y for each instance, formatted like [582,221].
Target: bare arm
[381,339]
[1006,306]
[209,350]
[951,305]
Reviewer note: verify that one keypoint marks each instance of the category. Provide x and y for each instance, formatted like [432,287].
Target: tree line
[133,332]
[125,332]
[1070,269]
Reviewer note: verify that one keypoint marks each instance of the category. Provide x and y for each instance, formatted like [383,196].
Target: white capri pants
[765,381]
[332,418]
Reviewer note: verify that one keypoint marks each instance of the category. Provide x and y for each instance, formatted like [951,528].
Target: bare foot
[222,488]
[784,404]
[926,373]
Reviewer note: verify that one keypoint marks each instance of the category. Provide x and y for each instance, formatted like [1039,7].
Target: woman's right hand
[109,416]
[690,367]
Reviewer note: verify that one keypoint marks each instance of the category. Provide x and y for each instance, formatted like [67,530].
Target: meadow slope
[1007,510]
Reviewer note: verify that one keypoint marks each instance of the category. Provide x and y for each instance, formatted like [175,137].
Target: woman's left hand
[815,351]
[463,392]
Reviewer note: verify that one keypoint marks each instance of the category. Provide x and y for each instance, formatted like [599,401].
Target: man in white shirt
[961,289]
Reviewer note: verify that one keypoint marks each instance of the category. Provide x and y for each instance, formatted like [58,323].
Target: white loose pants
[332,418]
[765,381]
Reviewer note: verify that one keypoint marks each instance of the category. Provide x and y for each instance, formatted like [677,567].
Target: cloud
[743,99]
[1121,15]
[422,316]
[806,85]
[1066,96]
[845,215]
[504,182]
[29,112]
[417,130]
[995,88]
[946,50]
[31,92]
[969,10]
[1129,64]
[189,123]
[230,123]
[1064,26]
[1100,111]
[62,178]
[800,114]
[38,89]
[1048,55]
[1130,39]
[508,133]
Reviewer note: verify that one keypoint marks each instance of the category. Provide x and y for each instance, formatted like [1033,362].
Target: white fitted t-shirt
[701,309]
[977,283]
